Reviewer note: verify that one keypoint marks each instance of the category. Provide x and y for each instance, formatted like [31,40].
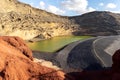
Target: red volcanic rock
[19,44]
[112,74]
[16,63]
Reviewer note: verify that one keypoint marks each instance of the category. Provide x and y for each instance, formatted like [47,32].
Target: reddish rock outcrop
[16,62]
[109,74]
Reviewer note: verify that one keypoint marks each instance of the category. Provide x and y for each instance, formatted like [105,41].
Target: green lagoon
[54,44]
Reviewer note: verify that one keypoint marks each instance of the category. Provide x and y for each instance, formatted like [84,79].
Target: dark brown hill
[98,23]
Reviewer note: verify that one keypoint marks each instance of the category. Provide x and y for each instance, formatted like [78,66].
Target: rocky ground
[46,63]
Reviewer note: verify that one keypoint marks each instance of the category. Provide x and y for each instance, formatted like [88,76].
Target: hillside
[98,23]
[20,19]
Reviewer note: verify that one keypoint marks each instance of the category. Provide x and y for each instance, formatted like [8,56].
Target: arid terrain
[96,58]
[20,19]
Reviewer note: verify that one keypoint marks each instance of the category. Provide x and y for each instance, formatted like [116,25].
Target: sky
[75,7]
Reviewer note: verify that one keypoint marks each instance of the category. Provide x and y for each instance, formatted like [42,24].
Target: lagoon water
[54,44]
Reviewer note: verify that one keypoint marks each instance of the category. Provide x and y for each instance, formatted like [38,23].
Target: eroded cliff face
[16,62]
[19,19]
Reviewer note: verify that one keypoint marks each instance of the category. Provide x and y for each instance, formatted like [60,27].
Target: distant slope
[98,23]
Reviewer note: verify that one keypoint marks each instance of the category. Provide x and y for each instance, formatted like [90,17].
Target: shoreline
[56,44]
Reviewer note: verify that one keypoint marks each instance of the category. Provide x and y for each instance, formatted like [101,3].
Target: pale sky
[75,7]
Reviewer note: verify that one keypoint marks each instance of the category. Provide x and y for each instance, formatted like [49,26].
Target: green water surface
[54,44]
